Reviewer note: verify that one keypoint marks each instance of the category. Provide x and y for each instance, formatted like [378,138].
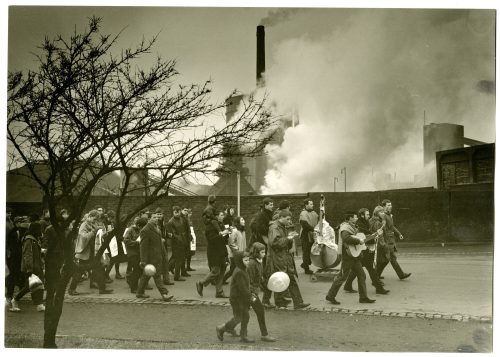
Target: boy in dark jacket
[255,274]
[240,299]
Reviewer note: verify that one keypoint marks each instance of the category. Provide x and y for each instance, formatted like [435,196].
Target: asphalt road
[193,327]
[446,282]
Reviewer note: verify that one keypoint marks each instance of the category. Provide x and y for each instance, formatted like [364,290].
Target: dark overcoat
[151,246]
[216,244]
[278,255]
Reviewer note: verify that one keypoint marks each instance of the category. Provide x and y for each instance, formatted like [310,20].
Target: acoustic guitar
[355,250]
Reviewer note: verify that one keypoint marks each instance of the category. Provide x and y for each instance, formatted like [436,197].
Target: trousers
[349,264]
[240,315]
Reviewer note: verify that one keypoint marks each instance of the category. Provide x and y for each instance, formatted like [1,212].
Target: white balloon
[278,282]
[149,270]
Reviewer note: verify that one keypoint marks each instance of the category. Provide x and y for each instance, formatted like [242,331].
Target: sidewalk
[446,283]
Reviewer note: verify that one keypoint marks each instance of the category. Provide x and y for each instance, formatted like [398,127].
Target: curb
[365,312]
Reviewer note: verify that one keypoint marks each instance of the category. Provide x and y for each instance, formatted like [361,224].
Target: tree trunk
[56,281]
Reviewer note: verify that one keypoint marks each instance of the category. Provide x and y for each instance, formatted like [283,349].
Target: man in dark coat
[130,238]
[153,252]
[390,232]
[280,259]
[260,224]
[178,233]
[13,257]
[216,254]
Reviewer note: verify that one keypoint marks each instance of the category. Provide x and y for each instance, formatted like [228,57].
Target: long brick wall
[421,215]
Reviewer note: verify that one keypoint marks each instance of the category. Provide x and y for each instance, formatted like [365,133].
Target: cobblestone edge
[326,309]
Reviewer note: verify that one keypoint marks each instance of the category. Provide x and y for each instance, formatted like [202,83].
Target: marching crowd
[270,249]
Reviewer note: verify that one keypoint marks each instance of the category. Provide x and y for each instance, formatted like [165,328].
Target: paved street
[450,290]
[193,327]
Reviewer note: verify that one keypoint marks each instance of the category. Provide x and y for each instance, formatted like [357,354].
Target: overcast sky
[338,68]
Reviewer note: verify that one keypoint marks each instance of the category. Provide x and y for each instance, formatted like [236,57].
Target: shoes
[108,280]
[15,306]
[40,308]
[366,300]
[406,275]
[301,306]
[186,275]
[332,300]
[308,271]
[382,291]
[381,283]
[165,283]
[166,297]
[351,290]
[222,295]
[283,303]
[150,288]
[268,338]
[381,277]
[268,305]
[142,296]
[199,288]
[94,286]
[246,339]
[133,291]
[234,333]
[8,302]
[179,279]
[220,332]
[105,291]
[190,269]
[73,292]
[119,276]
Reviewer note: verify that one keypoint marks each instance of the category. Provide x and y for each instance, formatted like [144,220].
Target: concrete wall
[421,215]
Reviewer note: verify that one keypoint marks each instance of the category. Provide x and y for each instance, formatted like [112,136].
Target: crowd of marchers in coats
[271,249]
[33,249]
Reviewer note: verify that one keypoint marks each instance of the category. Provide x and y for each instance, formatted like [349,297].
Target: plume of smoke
[275,17]
[360,94]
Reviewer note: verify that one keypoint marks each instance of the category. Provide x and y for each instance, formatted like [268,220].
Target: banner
[193,242]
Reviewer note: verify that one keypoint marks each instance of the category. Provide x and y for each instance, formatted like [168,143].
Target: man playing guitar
[347,233]
[367,256]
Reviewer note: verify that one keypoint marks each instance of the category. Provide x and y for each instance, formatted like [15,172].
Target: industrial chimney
[261,55]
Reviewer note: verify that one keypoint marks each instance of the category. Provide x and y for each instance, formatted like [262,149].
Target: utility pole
[344,171]
[335,180]
[238,190]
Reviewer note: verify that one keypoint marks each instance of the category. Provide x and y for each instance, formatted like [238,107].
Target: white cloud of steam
[360,94]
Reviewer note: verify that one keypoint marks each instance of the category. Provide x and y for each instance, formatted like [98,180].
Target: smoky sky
[361,91]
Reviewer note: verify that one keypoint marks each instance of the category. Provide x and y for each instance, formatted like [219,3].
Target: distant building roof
[227,186]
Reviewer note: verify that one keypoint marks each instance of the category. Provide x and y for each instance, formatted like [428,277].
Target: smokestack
[261,55]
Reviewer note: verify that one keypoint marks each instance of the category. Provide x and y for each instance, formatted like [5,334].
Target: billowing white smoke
[360,94]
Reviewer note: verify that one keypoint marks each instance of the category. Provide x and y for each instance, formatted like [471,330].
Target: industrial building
[466,167]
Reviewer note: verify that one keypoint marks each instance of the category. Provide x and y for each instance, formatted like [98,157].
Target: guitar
[355,250]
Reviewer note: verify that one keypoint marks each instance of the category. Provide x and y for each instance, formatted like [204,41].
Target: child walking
[254,269]
[240,299]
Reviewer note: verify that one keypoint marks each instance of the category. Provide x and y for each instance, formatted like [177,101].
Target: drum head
[328,258]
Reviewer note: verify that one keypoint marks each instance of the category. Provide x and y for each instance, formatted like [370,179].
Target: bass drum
[330,259]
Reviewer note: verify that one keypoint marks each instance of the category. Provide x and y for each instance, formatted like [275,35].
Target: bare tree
[88,111]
